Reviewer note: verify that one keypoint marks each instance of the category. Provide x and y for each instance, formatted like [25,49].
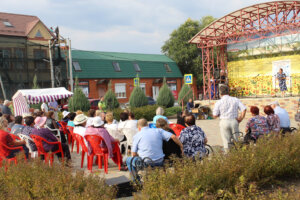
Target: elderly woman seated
[112,128]
[257,125]
[7,140]
[159,114]
[80,124]
[18,126]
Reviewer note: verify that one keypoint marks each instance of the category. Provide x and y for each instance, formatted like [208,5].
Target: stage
[288,103]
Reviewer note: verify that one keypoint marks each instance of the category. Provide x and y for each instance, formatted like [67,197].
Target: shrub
[234,176]
[35,180]
[165,97]
[138,98]
[185,94]
[111,100]
[147,112]
[116,113]
[172,111]
[78,101]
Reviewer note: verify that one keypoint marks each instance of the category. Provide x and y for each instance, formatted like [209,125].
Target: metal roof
[248,20]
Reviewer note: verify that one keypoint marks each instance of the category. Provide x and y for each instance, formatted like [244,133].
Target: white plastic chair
[55,130]
[26,138]
[129,133]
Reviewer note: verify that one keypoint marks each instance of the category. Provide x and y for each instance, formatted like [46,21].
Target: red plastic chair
[41,151]
[9,160]
[71,130]
[84,149]
[15,137]
[66,131]
[177,128]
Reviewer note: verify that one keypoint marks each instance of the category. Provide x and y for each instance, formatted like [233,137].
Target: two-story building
[95,70]
[24,53]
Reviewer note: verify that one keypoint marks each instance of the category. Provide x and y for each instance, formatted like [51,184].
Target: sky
[133,26]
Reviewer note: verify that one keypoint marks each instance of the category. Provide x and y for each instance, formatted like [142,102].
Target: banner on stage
[286,67]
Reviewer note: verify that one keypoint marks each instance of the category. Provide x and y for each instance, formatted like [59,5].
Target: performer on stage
[281,77]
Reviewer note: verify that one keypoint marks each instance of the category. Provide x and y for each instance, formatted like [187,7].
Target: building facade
[95,70]
[24,53]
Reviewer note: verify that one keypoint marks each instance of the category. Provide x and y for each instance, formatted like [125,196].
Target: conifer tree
[110,99]
[78,101]
[165,97]
[185,94]
[138,98]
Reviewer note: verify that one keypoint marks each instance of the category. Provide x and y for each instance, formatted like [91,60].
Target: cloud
[121,25]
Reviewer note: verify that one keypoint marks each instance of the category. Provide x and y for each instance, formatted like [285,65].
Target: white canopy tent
[22,98]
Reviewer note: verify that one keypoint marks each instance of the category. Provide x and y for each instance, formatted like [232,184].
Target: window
[38,34]
[167,67]
[84,86]
[7,24]
[136,67]
[143,87]
[39,55]
[5,58]
[19,64]
[76,66]
[120,90]
[116,66]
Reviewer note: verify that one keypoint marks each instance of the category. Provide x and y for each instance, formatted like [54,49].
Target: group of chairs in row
[96,148]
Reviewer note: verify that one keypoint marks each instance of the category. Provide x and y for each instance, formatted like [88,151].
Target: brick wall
[288,103]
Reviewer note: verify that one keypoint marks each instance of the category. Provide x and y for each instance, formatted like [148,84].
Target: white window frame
[121,91]
[143,87]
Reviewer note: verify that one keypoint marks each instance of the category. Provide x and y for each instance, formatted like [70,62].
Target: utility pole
[51,65]
[70,66]
[2,86]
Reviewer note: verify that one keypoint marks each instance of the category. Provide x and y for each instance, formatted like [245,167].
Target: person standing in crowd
[102,105]
[272,119]
[5,107]
[283,116]
[257,125]
[193,138]
[227,109]
[53,106]
[281,77]
[44,107]
[190,105]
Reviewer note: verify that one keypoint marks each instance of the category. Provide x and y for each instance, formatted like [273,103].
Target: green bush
[147,112]
[78,101]
[116,113]
[111,100]
[35,180]
[172,111]
[165,97]
[185,94]
[138,98]
[236,175]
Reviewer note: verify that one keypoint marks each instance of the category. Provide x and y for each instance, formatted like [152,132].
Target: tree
[138,98]
[185,94]
[165,97]
[78,101]
[186,55]
[110,99]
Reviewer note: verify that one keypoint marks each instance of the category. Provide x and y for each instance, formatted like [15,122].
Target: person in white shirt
[283,115]
[91,116]
[44,107]
[227,109]
[112,128]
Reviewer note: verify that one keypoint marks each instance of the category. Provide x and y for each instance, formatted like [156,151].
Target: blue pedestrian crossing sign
[136,82]
[188,78]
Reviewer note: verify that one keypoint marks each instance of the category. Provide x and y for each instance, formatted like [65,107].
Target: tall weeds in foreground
[35,180]
[237,175]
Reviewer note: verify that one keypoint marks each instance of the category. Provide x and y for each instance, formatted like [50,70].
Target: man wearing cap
[283,116]
[5,107]
[227,109]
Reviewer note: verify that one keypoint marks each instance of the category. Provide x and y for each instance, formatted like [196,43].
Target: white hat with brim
[97,122]
[80,119]
[65,113]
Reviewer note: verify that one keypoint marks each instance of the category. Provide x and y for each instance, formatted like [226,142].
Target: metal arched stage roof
[258,21]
